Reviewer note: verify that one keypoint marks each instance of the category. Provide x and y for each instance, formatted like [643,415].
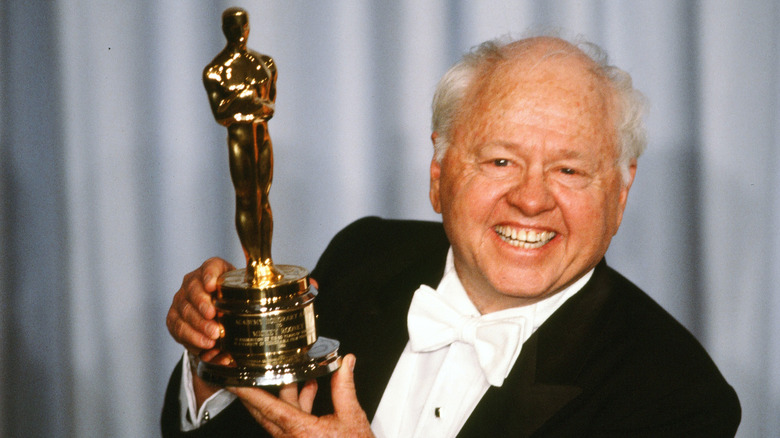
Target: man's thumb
[343,388]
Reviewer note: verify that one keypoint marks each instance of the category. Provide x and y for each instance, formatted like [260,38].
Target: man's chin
[508,294]
[526,296]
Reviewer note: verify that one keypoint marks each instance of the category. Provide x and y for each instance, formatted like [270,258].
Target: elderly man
[506,320]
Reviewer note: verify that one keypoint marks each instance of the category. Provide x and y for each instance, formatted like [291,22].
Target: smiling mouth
[526,239]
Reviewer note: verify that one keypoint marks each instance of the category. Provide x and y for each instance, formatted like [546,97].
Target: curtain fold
[114,179]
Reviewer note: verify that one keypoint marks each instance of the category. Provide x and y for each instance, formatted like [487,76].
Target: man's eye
[572,177]
[498,167]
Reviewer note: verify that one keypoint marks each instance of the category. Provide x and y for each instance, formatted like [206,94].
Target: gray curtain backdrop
[114,179]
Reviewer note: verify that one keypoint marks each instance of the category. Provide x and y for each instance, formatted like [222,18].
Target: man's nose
[531,193]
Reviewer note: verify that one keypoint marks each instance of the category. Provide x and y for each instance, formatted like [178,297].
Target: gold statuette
[266,311]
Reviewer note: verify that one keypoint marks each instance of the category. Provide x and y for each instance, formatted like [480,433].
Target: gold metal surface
[233,290]
[241,86]
[265,311]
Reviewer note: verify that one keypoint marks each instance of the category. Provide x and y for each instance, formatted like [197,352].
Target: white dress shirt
[432,394]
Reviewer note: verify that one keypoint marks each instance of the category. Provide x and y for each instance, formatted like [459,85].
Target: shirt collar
[452,289]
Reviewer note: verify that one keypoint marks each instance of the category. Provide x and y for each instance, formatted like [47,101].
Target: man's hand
[191,316]
[290,414]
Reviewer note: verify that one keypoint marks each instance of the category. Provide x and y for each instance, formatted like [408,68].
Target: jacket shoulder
[643,370]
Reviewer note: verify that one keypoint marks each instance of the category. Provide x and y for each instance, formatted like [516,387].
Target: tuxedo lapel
[396,295]
[367,277]
[545,378]
[522,404]
[391,332]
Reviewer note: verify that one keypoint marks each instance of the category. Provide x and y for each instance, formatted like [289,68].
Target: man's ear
[623,196]
[435,177]
[434,190]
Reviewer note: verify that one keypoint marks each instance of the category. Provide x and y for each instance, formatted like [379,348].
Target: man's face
[529,190]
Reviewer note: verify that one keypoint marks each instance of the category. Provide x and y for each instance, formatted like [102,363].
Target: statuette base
[321,359]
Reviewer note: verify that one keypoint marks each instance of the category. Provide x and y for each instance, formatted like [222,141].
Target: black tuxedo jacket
[609,362]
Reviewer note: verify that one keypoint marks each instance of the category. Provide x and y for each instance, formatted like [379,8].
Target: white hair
[453,87]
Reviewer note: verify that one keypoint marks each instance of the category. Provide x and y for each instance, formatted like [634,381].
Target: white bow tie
[433,324]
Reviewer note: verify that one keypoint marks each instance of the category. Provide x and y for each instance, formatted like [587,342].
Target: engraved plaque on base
[266,312]
[269,333]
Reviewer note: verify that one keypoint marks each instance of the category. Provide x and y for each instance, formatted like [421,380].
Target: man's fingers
[186,334]
[283,417]
[198,311]
[187,325]
[201,283]
[345,402]
[265,405]
[267,424]
[208,355]
[195,296]
[303,400]
[190,319]
[289,394]
[306,396]
[211,269]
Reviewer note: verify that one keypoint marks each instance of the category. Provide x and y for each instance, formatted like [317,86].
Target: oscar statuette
[265,311]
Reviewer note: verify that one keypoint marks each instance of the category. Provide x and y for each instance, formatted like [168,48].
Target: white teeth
[524,239]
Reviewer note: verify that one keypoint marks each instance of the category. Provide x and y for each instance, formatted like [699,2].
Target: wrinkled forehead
[541,81]
[558,94]
[545,71]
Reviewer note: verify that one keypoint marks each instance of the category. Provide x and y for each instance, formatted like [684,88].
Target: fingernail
[351,364]
[207,279]
[213,329]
